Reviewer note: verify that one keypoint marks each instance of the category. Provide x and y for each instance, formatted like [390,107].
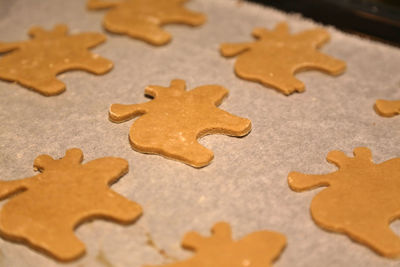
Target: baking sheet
[246,182]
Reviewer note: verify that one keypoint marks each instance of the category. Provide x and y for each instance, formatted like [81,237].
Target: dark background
[376,19]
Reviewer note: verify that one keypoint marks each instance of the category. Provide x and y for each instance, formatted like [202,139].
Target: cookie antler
[221,232]
[40,33]
[176,86]
[299,182]
[42,163]
[343,162]
[121,112]
[37,32]
[72,156]
[281,29]
[316,37]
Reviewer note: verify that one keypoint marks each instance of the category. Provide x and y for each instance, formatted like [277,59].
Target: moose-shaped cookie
[35,63]
[172,122]
[142,19]
[258,249]
[274,58]
[361,199]
[387,108]
[46,208]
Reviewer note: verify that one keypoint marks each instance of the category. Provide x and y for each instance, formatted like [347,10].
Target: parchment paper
[246,183]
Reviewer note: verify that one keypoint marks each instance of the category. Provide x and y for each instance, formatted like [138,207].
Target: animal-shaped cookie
[142,19]
[387,108]
[258,249]
[274,58]
[45,209]
[361,200]
[35,63]
[171,123]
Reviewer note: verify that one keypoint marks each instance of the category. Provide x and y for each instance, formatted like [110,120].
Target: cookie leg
[270,75]
[186,17]
[387,108]
[226,123]
[192,154]
[59,242]
[152,34]
[285,83]
[327,64]
[189,152]
[49,86]
[94,64]
[65,247]
[118,208]
[379,237]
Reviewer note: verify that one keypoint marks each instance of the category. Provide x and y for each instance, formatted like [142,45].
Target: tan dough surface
[387,108]
[171,123]
[142,19]
[361,200]
[258,249]
[49,206]
[35,63]
[277,55]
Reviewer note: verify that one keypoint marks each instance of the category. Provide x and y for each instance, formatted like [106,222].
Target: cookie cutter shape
[35,63]
[361,200]
[142,19]
[171,123]
[274,58]
[258,249]
[49,206]
[387,108]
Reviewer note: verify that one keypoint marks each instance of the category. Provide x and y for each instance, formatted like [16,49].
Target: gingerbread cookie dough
[171,123]
[361,200]
[45,209]
[142,19]
[277,55]
[258,249]
[35,63]
[387,108]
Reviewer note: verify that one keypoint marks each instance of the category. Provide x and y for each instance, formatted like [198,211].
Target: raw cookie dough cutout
[142,19]
[258,249]
[387,108]
[277,55]
[171,123]
[35,63]
[45,209]
[361,200]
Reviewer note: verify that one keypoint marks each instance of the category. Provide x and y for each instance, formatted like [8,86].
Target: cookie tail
[230,50]
[99,4]
[299,182]
[7,47]
[8,188]
[121,113]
